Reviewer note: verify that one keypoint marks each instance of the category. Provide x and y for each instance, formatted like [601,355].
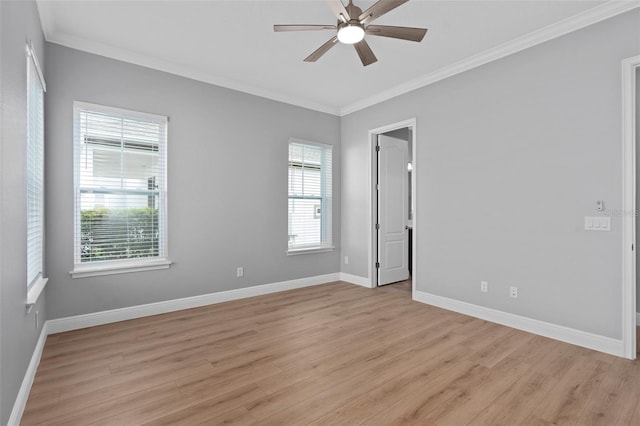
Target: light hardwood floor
[334,354]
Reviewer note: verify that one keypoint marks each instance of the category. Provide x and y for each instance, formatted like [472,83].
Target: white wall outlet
[239,272]
[484,286]
[346,260]
[513,292]
[597,223]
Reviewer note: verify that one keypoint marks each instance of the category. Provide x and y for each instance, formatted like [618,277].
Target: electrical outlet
[513,292]
[239,272]
[346,260]
[37,313]
[484,286]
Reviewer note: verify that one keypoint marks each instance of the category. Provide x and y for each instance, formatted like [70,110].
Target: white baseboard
[354,279]
[29,375]
[115,315]
[558,332]
[603,344]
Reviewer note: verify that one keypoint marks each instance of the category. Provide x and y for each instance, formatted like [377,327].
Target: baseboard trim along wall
[553,331]
[115,315]
[588,340]
[354,279]
[29,375]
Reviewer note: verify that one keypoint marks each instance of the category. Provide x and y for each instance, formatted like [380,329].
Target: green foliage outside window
[111,234]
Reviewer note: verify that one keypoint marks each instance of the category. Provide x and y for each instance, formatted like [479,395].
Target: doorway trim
[629,217]
[373,169]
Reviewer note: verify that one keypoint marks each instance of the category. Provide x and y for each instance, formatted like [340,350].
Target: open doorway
[393,206]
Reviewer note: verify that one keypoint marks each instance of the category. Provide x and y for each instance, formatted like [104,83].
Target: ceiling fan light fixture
[350,33]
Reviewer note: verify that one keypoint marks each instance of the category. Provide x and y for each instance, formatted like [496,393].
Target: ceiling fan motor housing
[354,12]
[350,31]
[353,24]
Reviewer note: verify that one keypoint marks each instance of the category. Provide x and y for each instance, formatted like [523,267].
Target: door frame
[373,198]
[630,319]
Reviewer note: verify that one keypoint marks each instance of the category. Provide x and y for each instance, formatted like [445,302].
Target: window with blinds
[35,169]
[120,186]
[310,202]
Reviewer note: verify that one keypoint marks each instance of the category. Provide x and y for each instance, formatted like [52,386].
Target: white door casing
[629,206]
[393,199]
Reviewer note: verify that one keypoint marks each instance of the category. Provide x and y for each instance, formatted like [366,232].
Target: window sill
[294,252]
[111,268]
[34,292]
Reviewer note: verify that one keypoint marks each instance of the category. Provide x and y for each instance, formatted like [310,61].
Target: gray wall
[19,22]
[510,157]
[227,183]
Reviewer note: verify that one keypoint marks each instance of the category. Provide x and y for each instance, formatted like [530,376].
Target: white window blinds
[310,198]
[35,168]
[120,185]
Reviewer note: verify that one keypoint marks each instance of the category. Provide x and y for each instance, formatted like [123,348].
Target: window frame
[326,201]
[119,266]
[35,285]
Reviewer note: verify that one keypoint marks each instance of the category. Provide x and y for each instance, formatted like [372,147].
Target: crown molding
[558,29]
[135,58]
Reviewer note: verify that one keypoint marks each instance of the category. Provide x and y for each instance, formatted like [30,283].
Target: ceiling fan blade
[322,50]
[364,51]
[338,9]
[280,28]
[404,33]
[379,9]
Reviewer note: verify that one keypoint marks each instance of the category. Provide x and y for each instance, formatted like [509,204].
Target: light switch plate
[597,223]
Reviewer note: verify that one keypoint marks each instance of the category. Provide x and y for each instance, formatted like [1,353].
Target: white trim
[410,123]
[120,112]
[115,315]
[299,141]
[295,252]
[131,57]
[31,52]
[23,394]
[119,266]
[354,279]
[629,217]
[553,331]
[106,317]
[97,269]
[34,292]
[558,29]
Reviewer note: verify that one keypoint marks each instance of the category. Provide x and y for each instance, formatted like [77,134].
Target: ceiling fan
[352,26]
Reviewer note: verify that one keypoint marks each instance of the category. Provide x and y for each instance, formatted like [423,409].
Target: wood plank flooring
[335,354]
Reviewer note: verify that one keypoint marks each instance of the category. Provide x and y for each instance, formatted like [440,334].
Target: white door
[393,200]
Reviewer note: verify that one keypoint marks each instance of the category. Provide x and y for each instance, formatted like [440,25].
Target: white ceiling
[232,43]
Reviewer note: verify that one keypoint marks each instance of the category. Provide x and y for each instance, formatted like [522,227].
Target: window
[120,190]
[35,176]
[310,205]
